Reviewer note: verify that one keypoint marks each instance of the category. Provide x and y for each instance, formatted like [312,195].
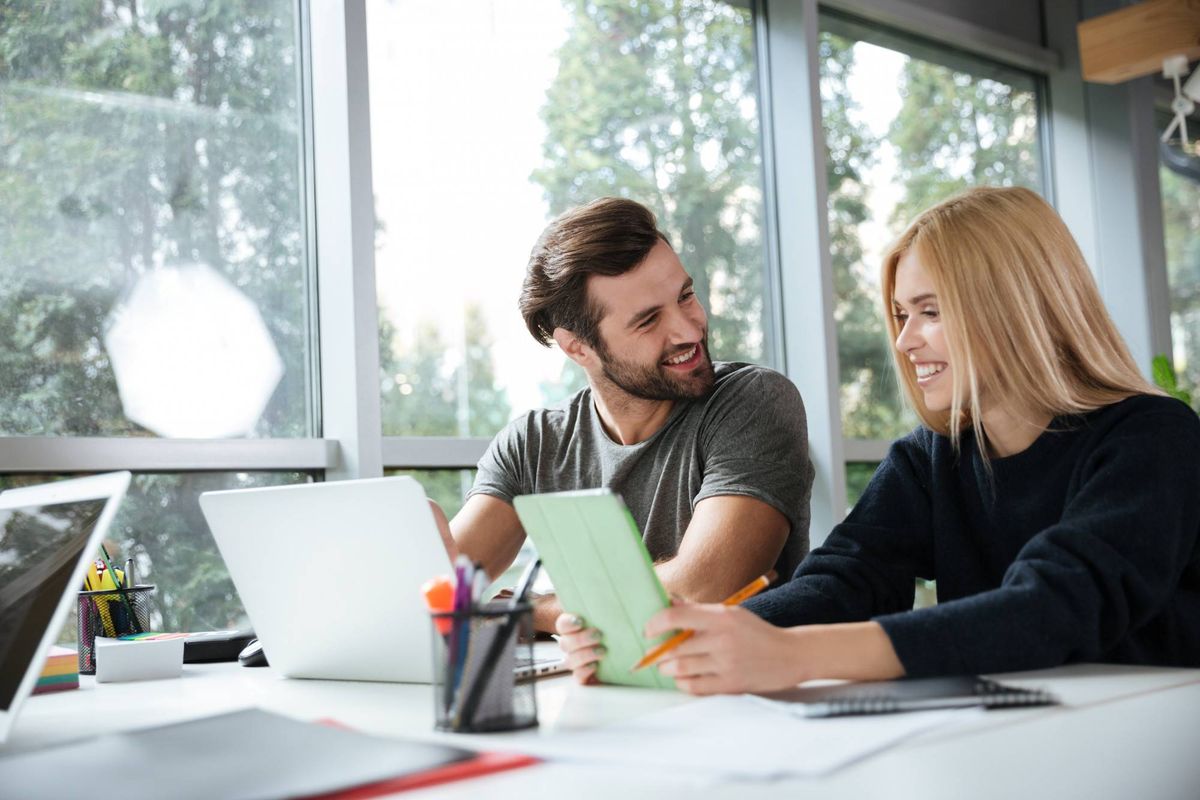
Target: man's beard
[657,382]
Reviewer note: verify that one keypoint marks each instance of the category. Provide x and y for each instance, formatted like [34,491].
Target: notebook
[247,754]
[48,536]
[920,694]
[330,575]
[592,549]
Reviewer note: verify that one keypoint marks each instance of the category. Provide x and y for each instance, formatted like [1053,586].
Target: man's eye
[688,295]
[648,321]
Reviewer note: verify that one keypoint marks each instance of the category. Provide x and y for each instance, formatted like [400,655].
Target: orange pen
[745,593]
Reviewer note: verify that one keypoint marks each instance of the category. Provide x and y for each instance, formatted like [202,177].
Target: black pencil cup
[475,656]
[107,612]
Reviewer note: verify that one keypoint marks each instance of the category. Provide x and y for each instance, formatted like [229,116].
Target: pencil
[745,593]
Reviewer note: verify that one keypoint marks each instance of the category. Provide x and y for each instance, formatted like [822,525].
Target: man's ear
[575,348]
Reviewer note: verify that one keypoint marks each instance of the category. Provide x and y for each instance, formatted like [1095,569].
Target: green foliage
[1164,378]
[1181,229]
[655,101]
[953,130]
[134,136]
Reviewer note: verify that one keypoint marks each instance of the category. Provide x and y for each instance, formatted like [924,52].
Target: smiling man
[712,459]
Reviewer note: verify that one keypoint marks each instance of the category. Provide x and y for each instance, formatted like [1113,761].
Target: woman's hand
[730,651]
[733,651]
[581,645]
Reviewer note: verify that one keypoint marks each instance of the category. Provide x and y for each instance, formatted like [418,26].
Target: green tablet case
[590,544]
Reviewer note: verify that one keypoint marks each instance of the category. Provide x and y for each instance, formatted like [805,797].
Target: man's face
[654,333]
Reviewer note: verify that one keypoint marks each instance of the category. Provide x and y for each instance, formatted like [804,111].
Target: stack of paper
[737,737]
[60,673]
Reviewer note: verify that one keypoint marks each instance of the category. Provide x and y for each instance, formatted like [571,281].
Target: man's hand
[581,645]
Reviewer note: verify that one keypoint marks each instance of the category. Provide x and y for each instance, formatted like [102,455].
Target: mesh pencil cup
[475,653]
[104,612]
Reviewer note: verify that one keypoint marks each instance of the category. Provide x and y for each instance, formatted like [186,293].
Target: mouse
[252,655]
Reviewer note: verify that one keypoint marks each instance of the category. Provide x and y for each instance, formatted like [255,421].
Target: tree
[655,101]
[868,394]
[1181,230]
[957,130]
[425,394]
[136,135]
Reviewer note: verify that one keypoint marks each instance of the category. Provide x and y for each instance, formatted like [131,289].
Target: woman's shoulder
[1145,413]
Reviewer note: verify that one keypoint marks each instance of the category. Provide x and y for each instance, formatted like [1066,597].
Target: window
[154,265]
[1181,229]
[907,124]
[489,119]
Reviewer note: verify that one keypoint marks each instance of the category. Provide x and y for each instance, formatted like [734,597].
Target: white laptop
[48,535]
[330,574]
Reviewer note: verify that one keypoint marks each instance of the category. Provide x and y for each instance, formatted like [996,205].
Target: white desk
[1123,733]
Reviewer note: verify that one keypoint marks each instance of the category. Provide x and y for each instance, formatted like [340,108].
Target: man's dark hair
[609,236]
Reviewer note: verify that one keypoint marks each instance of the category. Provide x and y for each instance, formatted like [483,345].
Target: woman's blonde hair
[1023,318]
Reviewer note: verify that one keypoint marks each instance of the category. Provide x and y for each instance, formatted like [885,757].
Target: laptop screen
[40,547]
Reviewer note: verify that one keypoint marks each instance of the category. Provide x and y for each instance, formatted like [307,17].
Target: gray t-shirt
[747,437]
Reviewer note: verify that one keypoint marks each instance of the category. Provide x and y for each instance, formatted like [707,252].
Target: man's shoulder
[740,381]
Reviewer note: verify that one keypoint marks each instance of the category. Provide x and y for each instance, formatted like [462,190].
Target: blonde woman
[1052,493]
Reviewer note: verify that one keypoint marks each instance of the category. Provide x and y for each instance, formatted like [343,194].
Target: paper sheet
[738,737]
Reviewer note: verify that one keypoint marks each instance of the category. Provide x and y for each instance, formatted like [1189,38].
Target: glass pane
[656,101]
[1181,228]
[153,268]
[858,475]
[161,527]
[907,124]
[447,487]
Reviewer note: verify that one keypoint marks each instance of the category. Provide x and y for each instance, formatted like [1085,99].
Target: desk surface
[1123,732]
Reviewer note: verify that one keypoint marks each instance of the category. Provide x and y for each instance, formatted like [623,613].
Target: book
[60,672]
[247,755]
[908,694]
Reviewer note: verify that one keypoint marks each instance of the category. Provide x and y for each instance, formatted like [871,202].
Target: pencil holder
[110,613]
[475,660]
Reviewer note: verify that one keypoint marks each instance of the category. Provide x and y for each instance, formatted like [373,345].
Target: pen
[745,593]
[133,622]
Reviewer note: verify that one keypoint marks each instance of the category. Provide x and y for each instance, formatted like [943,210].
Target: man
[711,460]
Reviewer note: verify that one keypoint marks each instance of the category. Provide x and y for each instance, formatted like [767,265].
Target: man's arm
[486,530]
[731,540]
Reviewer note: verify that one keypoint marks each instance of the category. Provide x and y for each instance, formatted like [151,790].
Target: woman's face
[922,339]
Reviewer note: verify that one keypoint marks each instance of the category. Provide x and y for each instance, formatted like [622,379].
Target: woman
[1051,491]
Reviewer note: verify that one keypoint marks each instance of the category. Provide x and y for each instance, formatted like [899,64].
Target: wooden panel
[1134,41]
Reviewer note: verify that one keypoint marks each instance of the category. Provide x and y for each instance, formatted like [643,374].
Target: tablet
[590,545]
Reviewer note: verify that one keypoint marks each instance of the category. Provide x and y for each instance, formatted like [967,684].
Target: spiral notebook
[919,694]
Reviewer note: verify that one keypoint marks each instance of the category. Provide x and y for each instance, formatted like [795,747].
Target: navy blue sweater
[1083,547]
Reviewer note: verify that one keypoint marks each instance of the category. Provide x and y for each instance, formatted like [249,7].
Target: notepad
[243,755]
[921,694]
[591,546]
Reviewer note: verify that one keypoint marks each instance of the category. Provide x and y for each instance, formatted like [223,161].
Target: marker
[741,595]
[439,599]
